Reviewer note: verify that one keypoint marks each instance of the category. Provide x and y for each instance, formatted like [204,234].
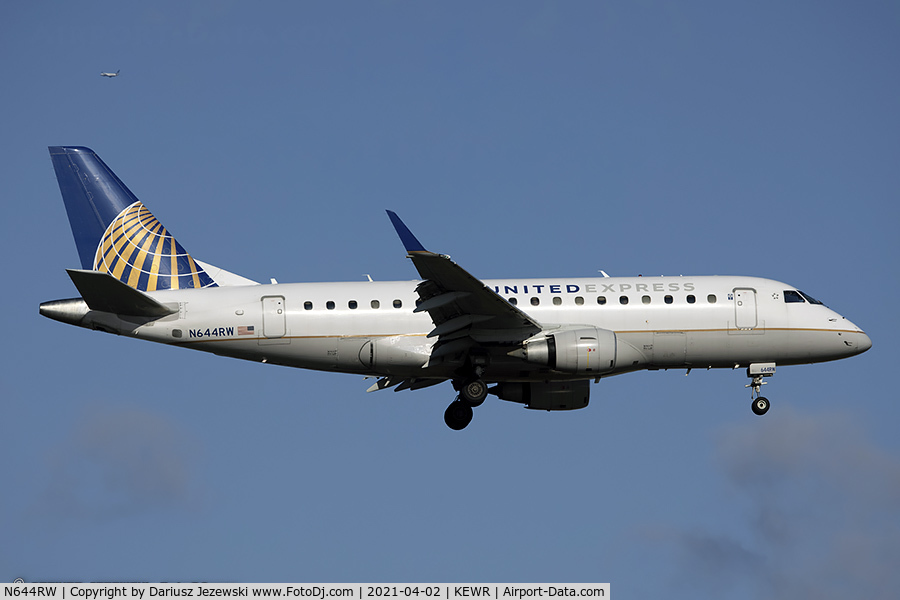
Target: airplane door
[745,308]
[273,317]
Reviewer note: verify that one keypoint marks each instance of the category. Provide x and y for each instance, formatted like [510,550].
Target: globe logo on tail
[137,250]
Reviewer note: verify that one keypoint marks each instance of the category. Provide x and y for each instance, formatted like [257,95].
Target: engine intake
[587,351]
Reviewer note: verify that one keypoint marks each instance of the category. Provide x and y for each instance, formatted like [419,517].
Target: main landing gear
[471,394]
[756,372]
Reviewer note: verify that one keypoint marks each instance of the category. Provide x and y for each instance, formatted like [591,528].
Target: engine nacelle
[546,395]
[588,351]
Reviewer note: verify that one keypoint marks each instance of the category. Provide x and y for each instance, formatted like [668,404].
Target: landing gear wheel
[474,392]
[458,415]
[760,406]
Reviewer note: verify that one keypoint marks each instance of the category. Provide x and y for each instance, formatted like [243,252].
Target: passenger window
[513,301]
[375,304]
[557,300]
[691,299]
[623,299]
[601,299]
[329,305]
[352,304]
[398,304]
[645,299]
[307,305]
[711,298]
[669,299]
[790,296]
[535,301]
[579,300]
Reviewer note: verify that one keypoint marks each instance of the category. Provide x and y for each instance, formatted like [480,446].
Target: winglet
[406,236]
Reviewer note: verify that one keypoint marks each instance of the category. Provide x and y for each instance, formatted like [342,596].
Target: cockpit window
[792,296]
[810,299]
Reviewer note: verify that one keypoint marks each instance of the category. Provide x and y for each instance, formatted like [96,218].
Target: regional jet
[116,74]
[537,342]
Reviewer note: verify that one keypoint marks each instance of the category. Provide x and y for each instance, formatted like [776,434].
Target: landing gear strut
[756,372]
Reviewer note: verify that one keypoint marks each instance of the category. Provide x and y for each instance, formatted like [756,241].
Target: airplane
[537,342]
[116,74]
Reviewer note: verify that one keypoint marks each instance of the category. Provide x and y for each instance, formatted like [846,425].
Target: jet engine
[589,351]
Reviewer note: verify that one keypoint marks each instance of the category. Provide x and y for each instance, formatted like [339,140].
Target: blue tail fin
[114,231]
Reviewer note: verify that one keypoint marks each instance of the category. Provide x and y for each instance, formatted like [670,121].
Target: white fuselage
[370,327]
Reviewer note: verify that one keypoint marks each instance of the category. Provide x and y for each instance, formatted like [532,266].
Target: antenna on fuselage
[602,272]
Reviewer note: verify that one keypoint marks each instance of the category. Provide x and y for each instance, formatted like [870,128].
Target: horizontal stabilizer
[105,293]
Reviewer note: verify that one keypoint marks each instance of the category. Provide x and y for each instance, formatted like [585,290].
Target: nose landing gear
[760,405]
[756,372]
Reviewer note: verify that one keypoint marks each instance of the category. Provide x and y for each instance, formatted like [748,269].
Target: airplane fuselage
[370,327]
[538,342]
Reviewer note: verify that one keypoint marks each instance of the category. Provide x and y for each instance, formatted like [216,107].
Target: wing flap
[439,301]
[413,383]
[457,323]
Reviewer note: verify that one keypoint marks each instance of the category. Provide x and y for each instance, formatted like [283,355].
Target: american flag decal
[245,330]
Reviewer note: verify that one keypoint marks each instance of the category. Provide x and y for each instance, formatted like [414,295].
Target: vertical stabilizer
[114,231]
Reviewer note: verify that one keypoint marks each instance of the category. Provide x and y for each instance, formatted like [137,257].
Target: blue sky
[524,139]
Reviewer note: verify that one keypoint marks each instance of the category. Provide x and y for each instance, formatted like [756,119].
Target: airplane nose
[863,342]
[855,338]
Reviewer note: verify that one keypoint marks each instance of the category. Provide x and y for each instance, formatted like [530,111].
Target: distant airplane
[116,74]
[138,281]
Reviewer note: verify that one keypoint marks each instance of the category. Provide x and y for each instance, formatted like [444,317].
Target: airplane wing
[465,312]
